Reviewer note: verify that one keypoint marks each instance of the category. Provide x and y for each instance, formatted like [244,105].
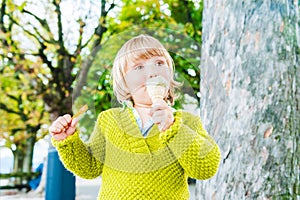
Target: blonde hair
[139,47]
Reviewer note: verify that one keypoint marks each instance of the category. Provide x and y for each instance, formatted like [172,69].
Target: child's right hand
[63,127]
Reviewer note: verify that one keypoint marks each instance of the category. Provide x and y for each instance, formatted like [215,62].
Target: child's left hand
[162,115]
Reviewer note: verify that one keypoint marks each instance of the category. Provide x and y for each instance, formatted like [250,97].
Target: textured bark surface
[250,98]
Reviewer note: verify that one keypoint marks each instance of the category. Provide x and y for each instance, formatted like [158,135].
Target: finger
[159,113]
[159,120]
[68,118]
[163,122]
[167,123]
[74,122]
[70,130]
[159,116]
[57,125]
[60,137]
[61,120]
[54,130]
[157,107]
[161,127]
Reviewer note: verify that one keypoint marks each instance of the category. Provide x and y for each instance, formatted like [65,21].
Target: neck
[139,105]
[143,111]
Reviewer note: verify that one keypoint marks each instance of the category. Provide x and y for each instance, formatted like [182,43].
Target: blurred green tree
[165,21]
[39,63]
[67,45]
[22,113]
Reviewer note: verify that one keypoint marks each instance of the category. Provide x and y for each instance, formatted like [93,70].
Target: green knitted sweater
[134,167]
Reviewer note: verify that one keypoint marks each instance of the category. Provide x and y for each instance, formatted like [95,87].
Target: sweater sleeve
[195,150]
[78,157]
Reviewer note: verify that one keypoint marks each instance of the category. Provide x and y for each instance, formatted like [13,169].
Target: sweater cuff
[69,140]
[170,133]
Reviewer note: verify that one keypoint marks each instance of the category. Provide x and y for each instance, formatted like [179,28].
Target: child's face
[139,71]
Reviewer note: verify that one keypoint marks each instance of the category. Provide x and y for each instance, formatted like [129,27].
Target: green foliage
[188,13]
[98,93]
[47,72]
[22,111]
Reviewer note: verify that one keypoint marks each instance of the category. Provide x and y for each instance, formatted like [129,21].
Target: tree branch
[13,97]
[22,27]
[21,54]
[41,36]
[62,52]
[41,53]
[44,58]
[5,108]
[79,43]
[15,130]
[99,31]
[43,22]
[59,25]
[2,13]
[105,12]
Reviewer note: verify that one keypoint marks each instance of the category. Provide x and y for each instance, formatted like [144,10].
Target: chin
[143,104]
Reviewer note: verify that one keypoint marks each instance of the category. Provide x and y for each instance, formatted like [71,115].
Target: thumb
[72,127]
[161,127]
[74,122]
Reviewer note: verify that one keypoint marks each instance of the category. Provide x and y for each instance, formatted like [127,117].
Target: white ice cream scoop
[157,88]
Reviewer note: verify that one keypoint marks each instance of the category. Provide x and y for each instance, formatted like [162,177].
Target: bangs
[143,53]
[142,47]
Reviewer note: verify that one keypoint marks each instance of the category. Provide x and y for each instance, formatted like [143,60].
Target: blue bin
[60,183]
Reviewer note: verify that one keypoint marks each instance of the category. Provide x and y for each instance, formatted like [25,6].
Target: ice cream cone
[156,88]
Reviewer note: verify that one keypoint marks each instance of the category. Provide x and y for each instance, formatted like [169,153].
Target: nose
[153,75]
[151,71]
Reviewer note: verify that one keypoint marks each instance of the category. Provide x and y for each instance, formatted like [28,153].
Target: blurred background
[238,60]
[56,56]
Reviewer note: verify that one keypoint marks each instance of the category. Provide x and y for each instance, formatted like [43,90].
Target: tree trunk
[27,166]
[18,160]
[18,163]
[250,80]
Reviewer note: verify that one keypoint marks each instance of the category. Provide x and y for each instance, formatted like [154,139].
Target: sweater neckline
[138,143]
[131,127]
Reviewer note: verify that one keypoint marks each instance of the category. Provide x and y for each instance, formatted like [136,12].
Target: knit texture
[134,167]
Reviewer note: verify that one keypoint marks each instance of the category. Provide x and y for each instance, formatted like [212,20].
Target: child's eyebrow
[137,61]
[135,64]
[131,65]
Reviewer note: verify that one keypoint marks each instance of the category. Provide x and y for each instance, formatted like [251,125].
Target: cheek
[134,81]
[167,76]
[166,73]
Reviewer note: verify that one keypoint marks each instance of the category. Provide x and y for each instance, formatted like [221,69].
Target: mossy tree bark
[250,97]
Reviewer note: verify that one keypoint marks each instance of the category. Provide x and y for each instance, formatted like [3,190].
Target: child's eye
[159,63]
[139,67]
